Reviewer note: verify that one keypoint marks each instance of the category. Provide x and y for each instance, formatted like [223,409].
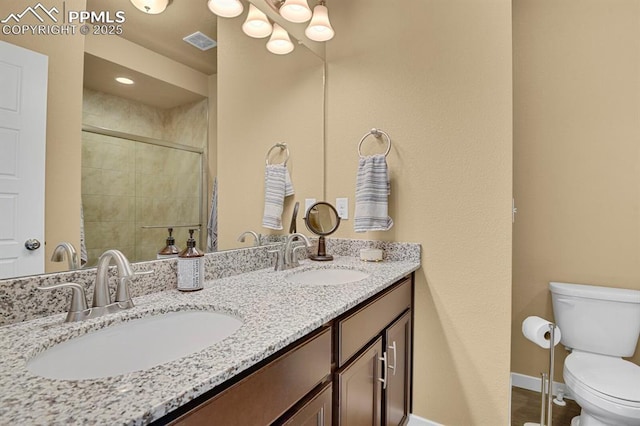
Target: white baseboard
[419,421]
[534,383]
[517,380]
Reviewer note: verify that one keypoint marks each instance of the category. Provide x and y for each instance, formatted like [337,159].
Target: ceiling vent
[200,41]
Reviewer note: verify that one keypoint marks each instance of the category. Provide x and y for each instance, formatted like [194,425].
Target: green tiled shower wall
[127,184]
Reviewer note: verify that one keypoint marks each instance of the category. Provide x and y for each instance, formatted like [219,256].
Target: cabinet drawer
[358,328]
[262,397]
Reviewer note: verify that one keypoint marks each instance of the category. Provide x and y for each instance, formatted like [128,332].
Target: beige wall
[64,115]
[576,155]
[264,99]
[437,77]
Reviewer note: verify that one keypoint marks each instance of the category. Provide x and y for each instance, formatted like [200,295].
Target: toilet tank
[595,319]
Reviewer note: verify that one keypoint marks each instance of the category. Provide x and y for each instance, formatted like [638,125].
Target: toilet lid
[611,376]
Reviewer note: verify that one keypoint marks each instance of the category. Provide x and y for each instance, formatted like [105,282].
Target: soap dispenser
[191,266]
[170,250]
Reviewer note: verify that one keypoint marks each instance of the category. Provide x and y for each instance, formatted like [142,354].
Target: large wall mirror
[151,151]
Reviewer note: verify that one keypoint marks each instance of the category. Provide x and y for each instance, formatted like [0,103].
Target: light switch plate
[342,205]
[308,202]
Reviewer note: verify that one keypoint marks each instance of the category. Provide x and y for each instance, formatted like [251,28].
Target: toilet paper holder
[546,388]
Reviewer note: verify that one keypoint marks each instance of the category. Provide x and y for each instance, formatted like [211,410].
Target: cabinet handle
[383,379]
[395,357]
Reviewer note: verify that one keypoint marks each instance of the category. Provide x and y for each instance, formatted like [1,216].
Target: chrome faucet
[101,296]
[102,303]
[290,259]
[256,237]
[66,249]
[286,257]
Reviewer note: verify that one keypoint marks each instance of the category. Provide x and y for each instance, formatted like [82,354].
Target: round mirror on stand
[322,219]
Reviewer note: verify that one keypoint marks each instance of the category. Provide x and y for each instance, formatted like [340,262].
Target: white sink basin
[135,345]
[327,276]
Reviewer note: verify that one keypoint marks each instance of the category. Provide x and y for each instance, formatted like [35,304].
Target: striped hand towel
[288,185]
[277,185]
[372,194]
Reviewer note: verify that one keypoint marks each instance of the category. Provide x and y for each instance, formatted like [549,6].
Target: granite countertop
[274,311]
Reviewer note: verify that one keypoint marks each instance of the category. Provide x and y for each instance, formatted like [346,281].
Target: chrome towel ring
[283,147]
[378,134]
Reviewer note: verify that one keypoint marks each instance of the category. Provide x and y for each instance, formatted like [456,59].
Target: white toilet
[600,325]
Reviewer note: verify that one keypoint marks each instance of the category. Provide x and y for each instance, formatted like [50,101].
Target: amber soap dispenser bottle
[169,250]
[191,266]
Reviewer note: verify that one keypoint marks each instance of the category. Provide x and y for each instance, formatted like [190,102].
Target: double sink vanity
[324,343]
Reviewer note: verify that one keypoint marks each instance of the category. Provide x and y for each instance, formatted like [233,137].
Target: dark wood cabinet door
[398,348]
[359,399]
[317,412]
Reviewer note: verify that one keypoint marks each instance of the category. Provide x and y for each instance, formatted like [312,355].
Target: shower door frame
[166,144]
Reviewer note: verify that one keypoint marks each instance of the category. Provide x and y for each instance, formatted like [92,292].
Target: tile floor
[525,407]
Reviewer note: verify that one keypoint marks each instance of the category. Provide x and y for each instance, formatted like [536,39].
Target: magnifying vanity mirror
[322,219]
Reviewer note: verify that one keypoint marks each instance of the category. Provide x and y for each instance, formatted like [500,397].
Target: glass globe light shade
[295,11]
[279,43]
[319,28]
[152,7]
[226,8]
[256,25]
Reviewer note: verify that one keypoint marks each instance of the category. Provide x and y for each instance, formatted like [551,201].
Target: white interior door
[23,117]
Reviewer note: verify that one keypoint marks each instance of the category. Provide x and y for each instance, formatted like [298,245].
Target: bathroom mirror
[322,219]
[239,174]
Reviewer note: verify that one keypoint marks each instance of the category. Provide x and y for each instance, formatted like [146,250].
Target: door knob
[32,244]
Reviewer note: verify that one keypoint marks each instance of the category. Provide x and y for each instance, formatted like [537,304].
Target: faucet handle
[123,297]
[279,263]
[78,305]
[294,258]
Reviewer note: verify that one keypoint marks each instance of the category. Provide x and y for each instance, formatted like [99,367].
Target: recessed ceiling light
[124,80]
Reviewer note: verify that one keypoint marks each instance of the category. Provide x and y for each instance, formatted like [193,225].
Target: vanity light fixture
[319,28]
[124,80]
[279,43]
[226,8]
[257,24]
[295,11]
[152,7]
